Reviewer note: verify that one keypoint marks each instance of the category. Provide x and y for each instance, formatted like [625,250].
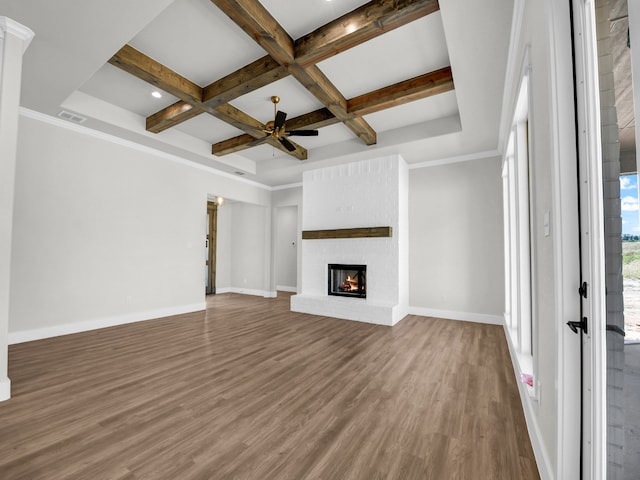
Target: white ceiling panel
[301,17]
[427,109]
[124,90]
[193,38]
[417,48]
[208,128]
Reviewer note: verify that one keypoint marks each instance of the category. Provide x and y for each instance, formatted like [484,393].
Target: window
[517,196]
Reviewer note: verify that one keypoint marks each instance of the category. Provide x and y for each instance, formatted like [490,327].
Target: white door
[592,323]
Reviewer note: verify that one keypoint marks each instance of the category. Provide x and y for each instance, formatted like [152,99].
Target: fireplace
[347,280]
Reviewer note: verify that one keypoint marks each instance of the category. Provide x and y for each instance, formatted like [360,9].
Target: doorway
[210,248]
[611,364]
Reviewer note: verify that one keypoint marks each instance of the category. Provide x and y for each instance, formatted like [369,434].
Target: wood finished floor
[249,390]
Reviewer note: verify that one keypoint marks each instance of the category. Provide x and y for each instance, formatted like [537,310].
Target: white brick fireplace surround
[370,193]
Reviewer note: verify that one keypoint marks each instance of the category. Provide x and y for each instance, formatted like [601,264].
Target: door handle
[582,324]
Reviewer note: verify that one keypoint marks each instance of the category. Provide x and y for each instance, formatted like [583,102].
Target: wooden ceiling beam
[245,141]
[244,80]
[300,152]
[358,26]
[422,86]
[257,74]
[258,23]
[366,22]
[146,68]
[153,72]
[288,57]
[171,116]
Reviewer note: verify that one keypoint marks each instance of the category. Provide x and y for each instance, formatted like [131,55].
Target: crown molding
[17,30]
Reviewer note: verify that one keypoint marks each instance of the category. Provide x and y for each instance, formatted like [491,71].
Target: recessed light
[156,94]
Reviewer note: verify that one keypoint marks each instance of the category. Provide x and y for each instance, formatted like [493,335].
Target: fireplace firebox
[347,280]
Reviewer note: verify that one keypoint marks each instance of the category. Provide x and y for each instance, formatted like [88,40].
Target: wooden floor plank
[249,390]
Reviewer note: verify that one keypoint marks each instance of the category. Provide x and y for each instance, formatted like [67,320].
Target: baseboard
[464,316]
[542,458]
[68,328]
[247,291]
[282,288]
[5,389]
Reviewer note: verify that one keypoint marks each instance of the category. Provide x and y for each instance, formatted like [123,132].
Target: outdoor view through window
[630,255]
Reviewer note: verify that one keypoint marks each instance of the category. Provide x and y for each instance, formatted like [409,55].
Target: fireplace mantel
[366,232]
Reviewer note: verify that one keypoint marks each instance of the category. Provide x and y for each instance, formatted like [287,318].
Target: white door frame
[592,240]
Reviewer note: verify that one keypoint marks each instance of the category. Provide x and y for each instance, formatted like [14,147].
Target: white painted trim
[247,291]
[25,112]
[460,158]
[286,187]
[283,288]
[592,234]
[514,43]
[5,389]
[565,238]
[68,328]
[17,30]
[535,436]
[463,316]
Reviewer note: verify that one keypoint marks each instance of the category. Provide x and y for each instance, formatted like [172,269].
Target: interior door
[210,262]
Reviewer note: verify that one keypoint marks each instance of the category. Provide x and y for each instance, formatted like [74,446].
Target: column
[14,40]
[634,36]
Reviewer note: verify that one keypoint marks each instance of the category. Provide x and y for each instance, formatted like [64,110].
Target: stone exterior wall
[613,243]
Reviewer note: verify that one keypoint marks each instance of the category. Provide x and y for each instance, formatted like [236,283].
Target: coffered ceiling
[410,77]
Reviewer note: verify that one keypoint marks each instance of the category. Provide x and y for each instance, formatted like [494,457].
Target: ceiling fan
[277,130]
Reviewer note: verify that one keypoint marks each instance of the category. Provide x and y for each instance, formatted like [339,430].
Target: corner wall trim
[77,327]
[463,316]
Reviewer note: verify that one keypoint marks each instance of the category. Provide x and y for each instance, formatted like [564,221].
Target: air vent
[72,117]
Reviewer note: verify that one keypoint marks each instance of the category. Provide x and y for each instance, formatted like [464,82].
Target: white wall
[250,248]
[456,240]
[106,233]
[286,248]
[290,197]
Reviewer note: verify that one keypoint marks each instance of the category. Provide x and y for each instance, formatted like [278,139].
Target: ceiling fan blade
[287,144]
[302,133]
[279,121]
